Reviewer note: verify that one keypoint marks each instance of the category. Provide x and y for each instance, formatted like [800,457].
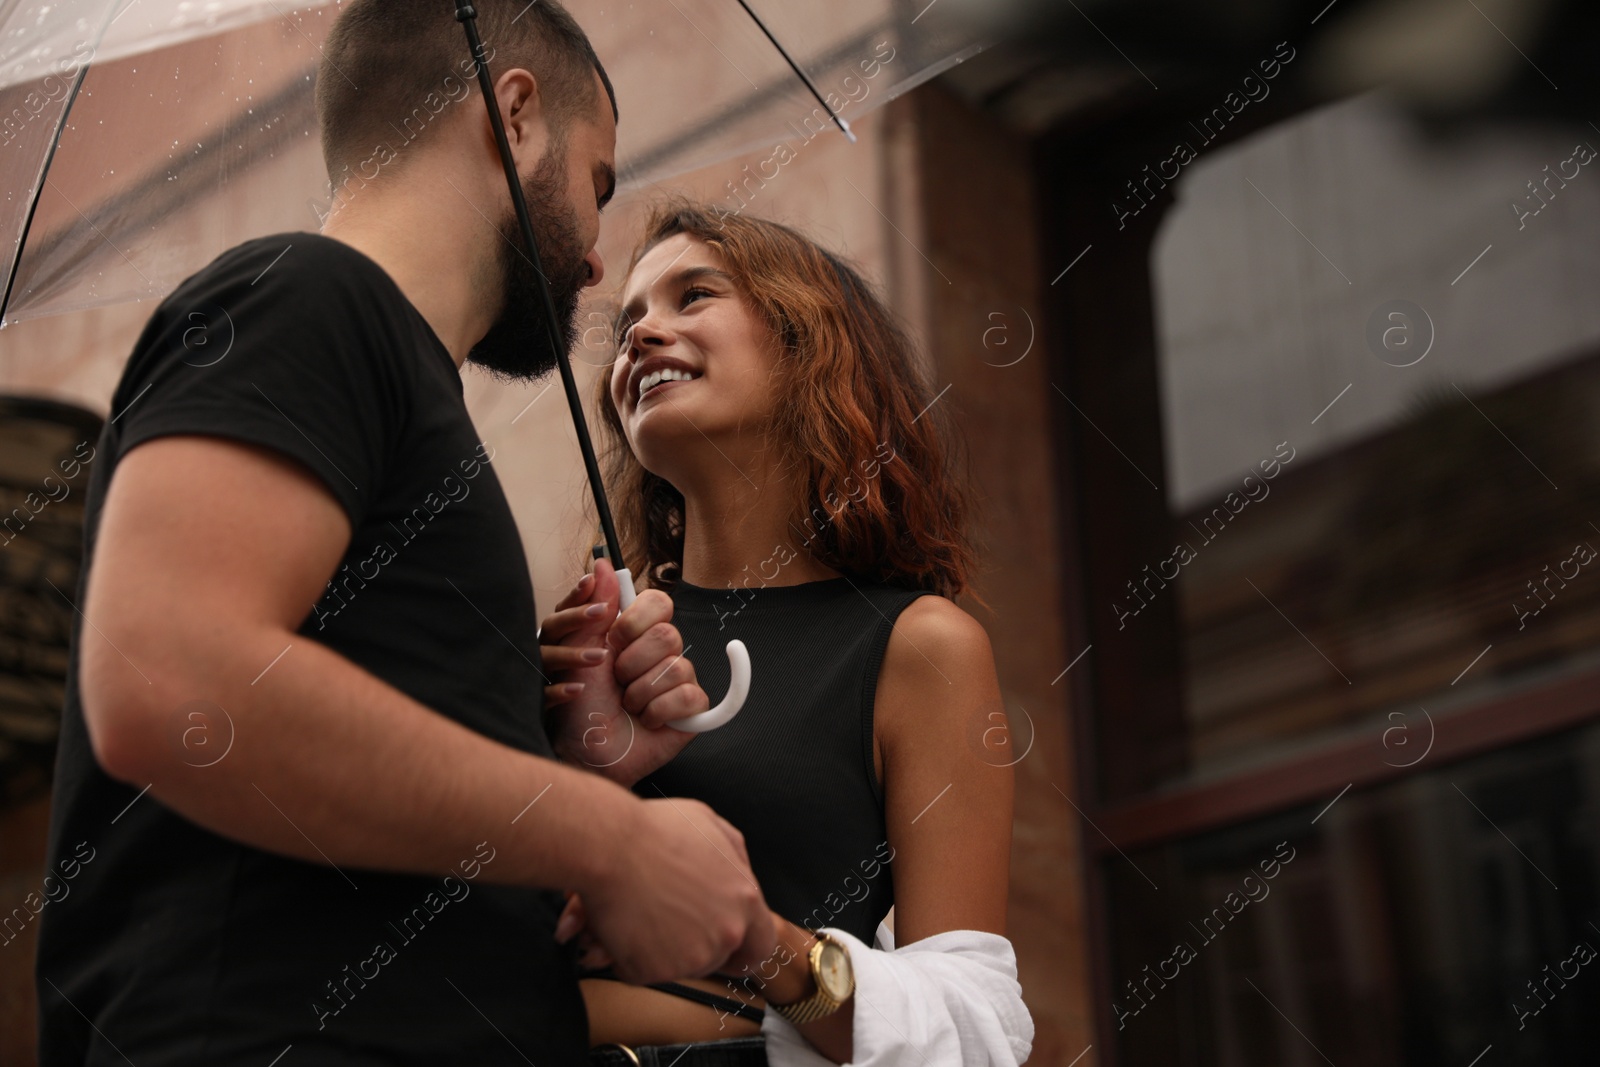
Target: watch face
[834,974]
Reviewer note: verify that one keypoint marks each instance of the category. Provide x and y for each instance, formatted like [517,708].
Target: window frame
[1078,170]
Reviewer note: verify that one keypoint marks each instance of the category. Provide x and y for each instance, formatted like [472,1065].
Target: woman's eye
[687,293]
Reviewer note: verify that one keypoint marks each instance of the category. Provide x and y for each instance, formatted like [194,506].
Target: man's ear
[523,111]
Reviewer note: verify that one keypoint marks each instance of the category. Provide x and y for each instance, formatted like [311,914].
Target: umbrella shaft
[468,17]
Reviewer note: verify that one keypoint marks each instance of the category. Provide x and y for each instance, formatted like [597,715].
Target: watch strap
[813,1007]
[819,1003]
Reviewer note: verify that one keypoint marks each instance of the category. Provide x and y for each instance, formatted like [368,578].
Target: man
[304,790]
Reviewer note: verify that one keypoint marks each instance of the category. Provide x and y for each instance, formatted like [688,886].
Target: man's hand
[621,679]
[683,902]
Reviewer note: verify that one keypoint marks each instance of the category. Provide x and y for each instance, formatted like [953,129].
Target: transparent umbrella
[125,124]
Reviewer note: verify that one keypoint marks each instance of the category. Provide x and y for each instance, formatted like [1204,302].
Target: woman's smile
[657,374]
[663,378]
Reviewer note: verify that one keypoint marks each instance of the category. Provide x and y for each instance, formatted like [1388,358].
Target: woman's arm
[948,797]
[948,793]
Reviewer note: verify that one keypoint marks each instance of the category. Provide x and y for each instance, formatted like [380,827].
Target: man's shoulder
[286,290]
[310,265]
[279,305]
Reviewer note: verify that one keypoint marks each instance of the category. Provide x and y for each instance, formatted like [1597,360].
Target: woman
[777,472]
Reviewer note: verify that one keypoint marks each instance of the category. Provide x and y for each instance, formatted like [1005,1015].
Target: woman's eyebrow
[635,307]
[690,273]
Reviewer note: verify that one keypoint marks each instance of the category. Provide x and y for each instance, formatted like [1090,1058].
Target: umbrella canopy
[119,119]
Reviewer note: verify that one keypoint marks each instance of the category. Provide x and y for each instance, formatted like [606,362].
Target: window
[1332,422]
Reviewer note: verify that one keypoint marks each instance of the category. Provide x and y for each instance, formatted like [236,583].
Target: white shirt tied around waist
[952,998]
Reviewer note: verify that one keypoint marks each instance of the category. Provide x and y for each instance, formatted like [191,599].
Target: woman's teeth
[656,377]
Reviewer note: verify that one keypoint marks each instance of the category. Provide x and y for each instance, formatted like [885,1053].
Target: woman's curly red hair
[884,499]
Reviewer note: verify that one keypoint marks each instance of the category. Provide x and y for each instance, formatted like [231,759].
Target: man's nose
[597,268]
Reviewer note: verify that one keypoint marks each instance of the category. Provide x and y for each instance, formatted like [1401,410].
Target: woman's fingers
[570,657]
[575,921]
[559,659]
[594,956]
[586,606]
[578,594]
[563,624]
[572,918]
[561,692]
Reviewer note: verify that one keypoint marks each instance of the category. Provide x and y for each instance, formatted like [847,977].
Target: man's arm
[208,556]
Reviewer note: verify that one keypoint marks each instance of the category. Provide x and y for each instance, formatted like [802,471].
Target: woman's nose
[648,332]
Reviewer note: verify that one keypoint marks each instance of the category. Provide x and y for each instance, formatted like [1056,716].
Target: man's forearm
[327,763]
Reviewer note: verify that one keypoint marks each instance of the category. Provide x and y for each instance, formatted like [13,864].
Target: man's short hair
[390,68]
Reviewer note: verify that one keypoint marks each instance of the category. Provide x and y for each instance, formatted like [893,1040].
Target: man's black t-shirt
[175,945]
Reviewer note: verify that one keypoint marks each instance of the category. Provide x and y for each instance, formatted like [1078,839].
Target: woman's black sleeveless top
[794,771]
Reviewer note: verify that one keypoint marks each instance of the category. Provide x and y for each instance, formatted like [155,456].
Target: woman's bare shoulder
[932,627]
[939,664]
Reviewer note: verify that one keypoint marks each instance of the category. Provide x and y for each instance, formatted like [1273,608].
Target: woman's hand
[574,921]
[572,612]
[622,679]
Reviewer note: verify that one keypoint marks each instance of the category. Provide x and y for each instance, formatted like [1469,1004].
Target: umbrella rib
[147,201]
[844,127]
[33,200]
[646,160]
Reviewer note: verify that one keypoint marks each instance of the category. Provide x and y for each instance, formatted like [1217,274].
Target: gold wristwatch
[834,977]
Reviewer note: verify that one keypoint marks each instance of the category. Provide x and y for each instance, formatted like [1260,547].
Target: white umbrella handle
[738,669]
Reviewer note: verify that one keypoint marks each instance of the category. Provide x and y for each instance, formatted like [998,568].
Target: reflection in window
[1415,924]
[1379,390]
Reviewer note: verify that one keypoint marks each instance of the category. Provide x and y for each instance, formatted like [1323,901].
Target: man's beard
[519,347]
